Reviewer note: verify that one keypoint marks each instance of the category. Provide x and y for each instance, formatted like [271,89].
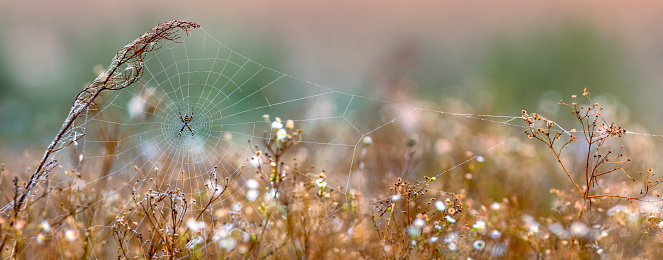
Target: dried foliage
[496,207]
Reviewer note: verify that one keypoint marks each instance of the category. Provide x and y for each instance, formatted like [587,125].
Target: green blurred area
[564,60]
[515,73]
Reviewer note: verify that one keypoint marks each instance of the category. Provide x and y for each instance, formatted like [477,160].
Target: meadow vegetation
[585,189]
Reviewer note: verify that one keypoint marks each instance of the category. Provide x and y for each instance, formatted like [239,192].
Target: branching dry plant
[594,138]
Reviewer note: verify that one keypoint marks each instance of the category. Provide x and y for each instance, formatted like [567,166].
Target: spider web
[198,116]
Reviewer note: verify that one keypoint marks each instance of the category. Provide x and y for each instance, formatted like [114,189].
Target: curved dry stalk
[125,69]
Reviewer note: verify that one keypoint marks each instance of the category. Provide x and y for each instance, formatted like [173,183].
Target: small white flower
[451,237]
[419,222]
[599,251]
[396,197]
[41,238]
[432,239]
[252,195]
[277,124]
[228,244]
[534,228]
[271,194]
[252,184]
[281,134]
[321,182]
[578,229]
[45,226]
[236,207]
[195,226]
[414,242]
[479,244]
[440,205]
[495,234]
[480,226]
[450,219]
[255,161]
[438,227]
[453,247]
[480,159]
[367,140]
[70,235]
[413,231]
[495,206]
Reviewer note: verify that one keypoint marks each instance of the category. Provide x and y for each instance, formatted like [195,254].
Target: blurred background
[499,57]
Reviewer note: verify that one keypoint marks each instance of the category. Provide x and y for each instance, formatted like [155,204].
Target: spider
[186,120]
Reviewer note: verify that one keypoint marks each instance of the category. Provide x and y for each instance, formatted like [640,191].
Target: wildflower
[271,194]
[532,225]
[136,106]
[255,161]
[252,184]
[367,141]
[45,226]
[534,229]
[479,244]
[195,226]
[419,222]
[599,251]
[441,206]
[236,207]
[438,227]
[617,209]
[228,244]
[480,159]
[480,226]
[277,124]
[495,234]
[578,229]
[41,238]
[321,182]
[289,124]
[414,242]
[451,238]
[252,195]
[70,235]
[413,231]
[432,239]
[633,217]
[450,219]
[396,197]
[557,229]
[281,134]
[452,247]
[495,206]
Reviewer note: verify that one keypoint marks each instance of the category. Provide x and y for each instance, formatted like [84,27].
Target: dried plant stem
[595,133]
[126,68]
